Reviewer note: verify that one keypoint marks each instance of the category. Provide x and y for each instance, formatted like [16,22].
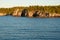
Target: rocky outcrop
[3,14]
[57,15]
[27,13]
[36,14]
[31,11]
[30,14]
[24,13]
[16,13]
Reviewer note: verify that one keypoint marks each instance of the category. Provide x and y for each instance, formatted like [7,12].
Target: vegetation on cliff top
[50,9]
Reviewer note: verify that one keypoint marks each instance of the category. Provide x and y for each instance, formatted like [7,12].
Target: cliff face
[2,14]
[32,11]
[36,13]
[16,13]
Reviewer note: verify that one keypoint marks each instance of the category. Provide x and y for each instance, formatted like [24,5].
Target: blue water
[24,28]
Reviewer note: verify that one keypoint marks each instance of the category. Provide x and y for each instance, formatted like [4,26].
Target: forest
[50,9]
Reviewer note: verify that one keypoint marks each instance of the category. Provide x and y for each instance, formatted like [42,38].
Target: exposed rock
[16,13]
[57,15]
[3,14]
[24,13]
[36,14]
[30,13]
[47,14]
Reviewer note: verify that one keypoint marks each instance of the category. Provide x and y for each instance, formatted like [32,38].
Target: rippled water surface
[23,28]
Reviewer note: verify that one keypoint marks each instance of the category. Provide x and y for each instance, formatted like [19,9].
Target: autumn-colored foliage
[50,9]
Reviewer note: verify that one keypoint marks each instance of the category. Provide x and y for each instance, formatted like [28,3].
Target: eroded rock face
[3,14]
[24,13]
[33,14]
[57,15]
[30,13]
[17,13]
[36,14]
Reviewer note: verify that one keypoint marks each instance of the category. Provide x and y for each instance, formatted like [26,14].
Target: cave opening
[35,14]
[24,13]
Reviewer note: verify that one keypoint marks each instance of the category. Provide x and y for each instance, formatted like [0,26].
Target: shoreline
[32,11]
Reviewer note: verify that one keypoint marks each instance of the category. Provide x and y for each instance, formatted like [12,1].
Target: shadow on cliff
[36,14]
[24,13]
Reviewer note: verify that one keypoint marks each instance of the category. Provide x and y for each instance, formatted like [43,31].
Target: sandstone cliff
[32,11]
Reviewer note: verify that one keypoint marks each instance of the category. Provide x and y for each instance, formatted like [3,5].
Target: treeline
[50,9]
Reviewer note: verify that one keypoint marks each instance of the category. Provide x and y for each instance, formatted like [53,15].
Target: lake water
[24,28]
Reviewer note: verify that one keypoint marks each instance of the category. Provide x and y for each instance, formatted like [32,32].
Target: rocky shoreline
[36,13]
[30,12]
[26,13]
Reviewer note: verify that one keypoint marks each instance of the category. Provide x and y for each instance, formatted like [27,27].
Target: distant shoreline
[32,11]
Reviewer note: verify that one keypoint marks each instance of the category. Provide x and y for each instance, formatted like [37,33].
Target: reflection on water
[23,28]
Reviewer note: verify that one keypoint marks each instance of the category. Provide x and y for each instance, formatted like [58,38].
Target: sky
[12,3]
